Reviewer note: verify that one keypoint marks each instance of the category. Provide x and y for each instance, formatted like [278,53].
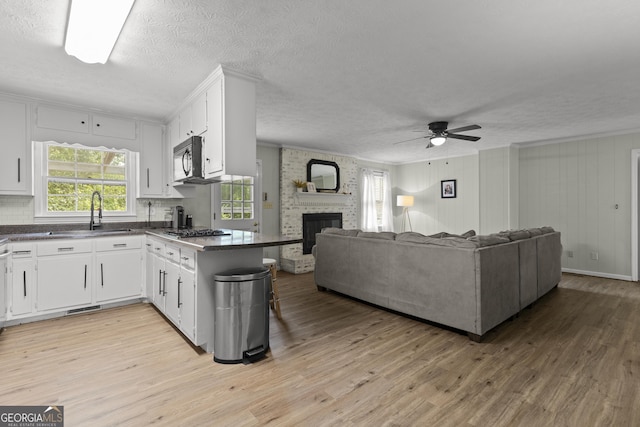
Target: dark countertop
[236,239]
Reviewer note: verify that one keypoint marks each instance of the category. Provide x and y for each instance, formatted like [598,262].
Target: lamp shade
[405,201]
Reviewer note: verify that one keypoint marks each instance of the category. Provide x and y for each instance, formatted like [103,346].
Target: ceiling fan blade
[463,129]
[465,137]
[409,140]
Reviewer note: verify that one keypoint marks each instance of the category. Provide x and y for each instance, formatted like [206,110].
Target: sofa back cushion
[383,235]
[340,231]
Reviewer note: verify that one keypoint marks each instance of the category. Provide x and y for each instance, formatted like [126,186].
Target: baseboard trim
[598,274]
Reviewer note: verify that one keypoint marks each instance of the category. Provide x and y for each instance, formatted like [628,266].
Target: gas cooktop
[188,232]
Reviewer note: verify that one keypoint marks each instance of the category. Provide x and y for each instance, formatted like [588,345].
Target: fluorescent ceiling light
[94,27]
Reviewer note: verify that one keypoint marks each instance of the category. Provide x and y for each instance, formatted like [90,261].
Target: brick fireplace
[293,205]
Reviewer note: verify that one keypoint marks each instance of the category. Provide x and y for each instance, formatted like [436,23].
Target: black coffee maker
[178,218]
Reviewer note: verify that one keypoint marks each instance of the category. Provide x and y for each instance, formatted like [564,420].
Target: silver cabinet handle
[147,177]
[119,245]
[24,282]
[102,274]
[18,169]
[67,249]
[27,252]
[85,276]
[179,283]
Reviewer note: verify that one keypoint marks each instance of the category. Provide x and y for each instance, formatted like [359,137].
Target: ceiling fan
[439,133]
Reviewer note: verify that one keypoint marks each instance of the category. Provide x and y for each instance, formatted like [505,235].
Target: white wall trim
[598,274]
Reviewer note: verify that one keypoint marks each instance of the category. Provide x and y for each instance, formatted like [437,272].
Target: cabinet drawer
[118,243]
[172,253]
[188,259]
[21,250]
[61,247]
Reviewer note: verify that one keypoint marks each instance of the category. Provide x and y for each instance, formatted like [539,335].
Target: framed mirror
[324,174]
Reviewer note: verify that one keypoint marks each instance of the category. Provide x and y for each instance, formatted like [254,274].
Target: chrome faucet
[92,224]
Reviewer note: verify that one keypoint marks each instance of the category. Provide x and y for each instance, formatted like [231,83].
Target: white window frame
[42,215]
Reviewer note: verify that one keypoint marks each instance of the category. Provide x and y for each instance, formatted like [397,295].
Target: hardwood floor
[572,359]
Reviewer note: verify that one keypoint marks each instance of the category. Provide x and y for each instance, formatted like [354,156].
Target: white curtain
[387,212]
[368,213]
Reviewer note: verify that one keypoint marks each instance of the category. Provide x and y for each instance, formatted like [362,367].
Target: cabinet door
[3,285]
[173,285]
[213,143]
[67,120]
[199,114]
[22,286]
[64,281]
[119,275]
[188,304]
[114,127]
[14,164]
[185,123]
[151,162]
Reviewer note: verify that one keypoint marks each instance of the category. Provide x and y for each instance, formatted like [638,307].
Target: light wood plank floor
[573,359]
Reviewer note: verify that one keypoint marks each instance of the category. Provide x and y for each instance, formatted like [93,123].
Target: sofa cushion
[547,230]
[340,231]
[383,235]
[535,232]
[408,235]
[468,234]
[489,240]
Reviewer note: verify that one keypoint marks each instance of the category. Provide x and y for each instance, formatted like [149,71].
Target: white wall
[575,187]
[430,213]
[499,189]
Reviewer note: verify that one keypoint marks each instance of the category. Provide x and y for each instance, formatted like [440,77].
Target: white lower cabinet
[187,302]
[4,255]
[51,276]
[21,274]
[170,275]
[172,291]
[64,274]
[118,268]
[64,281]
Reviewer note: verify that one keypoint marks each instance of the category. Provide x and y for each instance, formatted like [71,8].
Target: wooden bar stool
[274,302]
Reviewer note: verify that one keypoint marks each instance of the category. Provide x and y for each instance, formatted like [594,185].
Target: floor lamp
[406,202]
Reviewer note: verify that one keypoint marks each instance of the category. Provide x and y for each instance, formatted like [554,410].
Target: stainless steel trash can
[241,318]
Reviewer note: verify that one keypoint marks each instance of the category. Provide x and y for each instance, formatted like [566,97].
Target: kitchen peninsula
[110,267]
[180,273]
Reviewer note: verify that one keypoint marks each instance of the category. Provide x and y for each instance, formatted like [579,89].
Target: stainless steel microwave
[188,162]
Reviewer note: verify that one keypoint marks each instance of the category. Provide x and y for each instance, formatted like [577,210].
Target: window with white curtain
[376,213]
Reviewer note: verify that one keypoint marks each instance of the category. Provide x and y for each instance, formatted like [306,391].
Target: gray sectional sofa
[467,282]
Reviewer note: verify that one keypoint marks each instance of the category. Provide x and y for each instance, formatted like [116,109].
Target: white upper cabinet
[151,173]
[70,121]
[114,127]
[15,163]
[82,122]
[230,143]
[193,118]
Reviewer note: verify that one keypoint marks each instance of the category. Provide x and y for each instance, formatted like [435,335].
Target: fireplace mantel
[322,199]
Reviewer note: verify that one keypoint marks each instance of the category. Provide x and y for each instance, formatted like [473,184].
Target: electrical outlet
[594,256]
[569,254]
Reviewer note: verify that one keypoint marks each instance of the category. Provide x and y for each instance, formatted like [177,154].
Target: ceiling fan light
[438,140]
[94,28]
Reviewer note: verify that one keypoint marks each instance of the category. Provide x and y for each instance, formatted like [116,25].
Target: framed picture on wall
[448,189]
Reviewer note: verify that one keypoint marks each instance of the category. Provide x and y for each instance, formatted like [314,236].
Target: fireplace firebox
[313,223]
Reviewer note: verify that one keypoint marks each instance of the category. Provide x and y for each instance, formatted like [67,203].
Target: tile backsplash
[15,210]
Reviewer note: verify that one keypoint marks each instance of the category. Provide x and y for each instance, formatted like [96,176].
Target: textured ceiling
[354,77]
